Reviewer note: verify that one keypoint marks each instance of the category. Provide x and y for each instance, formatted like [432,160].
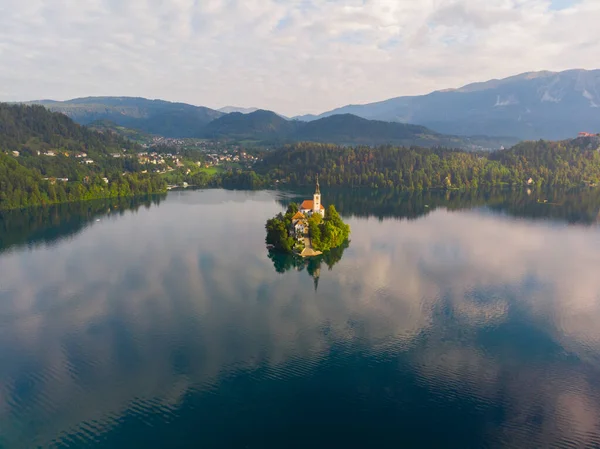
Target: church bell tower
[317,198]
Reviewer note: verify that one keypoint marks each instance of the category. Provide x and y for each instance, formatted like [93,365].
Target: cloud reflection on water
[140,311]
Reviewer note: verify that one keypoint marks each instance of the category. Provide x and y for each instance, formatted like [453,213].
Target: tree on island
[325,233]
[329,232]
[278,230]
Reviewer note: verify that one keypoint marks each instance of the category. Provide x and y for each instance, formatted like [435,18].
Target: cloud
[295,57]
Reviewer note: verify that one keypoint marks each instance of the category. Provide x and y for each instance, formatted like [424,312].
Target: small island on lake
[307,230]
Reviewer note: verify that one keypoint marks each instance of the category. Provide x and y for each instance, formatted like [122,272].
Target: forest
[46,158]
[23,187]
[535,163]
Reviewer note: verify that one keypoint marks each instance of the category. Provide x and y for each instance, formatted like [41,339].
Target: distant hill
[136,118]
[33,128]
[343,129]
[151,116]
[257,125]
[230,109]
[47,158]
[129,133]
[549,105]
[350,129]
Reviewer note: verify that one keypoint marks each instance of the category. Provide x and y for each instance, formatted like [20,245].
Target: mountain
[343,129]
[134,135]
[33,128]
[549,105]
[151,116]
[38,145]
[230,109]
[257,125]
[137,118]
[348,128]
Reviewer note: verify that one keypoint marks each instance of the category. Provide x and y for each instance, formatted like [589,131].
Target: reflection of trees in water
[581,206]
[47,225]
[283,262]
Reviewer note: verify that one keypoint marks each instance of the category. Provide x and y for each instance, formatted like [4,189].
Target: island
[307,230]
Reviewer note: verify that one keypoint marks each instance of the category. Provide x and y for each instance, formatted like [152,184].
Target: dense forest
[541,163]
[46,158]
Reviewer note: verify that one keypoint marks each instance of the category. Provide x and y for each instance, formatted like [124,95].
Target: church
[314,206]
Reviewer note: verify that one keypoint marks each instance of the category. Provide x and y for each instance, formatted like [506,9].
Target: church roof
[308,205]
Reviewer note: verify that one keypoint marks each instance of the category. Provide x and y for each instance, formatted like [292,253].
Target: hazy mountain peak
[230,109]
[531,105]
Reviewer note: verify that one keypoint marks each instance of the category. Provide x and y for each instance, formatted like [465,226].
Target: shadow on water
[48,225]
[578,206]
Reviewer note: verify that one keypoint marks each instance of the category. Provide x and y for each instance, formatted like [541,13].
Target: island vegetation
[324,233]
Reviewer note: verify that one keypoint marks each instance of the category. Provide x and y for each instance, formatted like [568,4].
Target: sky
[291,56]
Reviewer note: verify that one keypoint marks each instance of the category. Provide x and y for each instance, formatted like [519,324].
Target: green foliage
[329,232]
[278,235]
[33,131]
[569,163]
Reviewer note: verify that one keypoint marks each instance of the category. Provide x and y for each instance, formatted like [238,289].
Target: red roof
[308,205]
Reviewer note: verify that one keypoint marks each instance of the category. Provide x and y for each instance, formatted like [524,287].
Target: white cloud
[292,56]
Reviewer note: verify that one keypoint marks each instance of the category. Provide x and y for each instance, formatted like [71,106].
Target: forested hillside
[47,158]
[568,163]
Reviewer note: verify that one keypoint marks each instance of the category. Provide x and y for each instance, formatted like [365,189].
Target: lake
[454,320]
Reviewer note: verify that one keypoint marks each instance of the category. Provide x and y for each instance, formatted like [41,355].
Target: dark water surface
[450,320]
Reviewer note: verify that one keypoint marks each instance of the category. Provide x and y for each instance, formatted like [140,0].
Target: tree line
[23,187]
[38,150]
[535,163]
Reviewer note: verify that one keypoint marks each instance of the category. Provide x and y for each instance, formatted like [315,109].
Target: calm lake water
[450,320]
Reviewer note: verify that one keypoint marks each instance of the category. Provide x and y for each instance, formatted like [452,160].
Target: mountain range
[158,117]
[549,105]
[182,120]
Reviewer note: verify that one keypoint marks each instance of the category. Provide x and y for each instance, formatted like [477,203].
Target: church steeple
[317,199]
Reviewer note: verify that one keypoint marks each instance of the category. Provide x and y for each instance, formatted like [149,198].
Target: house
[50,153]
[309,207]
[300,225]
[16,153]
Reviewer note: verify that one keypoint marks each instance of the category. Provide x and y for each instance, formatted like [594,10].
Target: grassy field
[213,170]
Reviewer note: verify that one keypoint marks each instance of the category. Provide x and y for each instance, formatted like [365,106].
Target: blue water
[447,322]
